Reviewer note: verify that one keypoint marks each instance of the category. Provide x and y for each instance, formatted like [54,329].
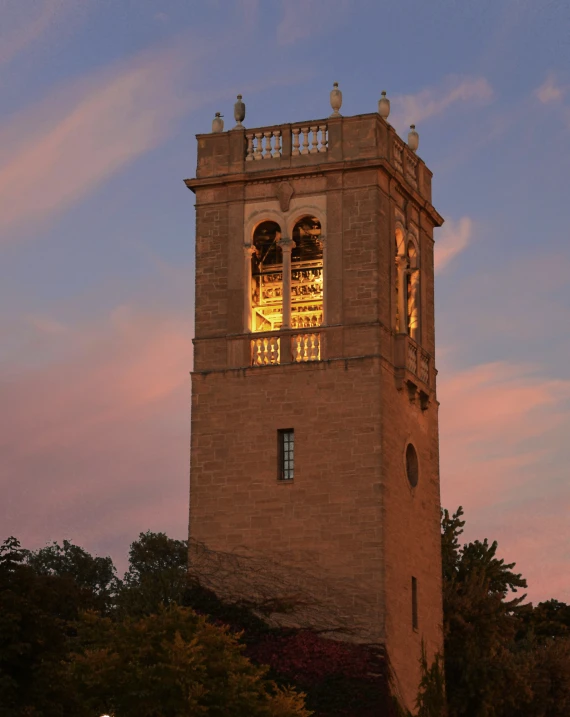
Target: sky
[100,101]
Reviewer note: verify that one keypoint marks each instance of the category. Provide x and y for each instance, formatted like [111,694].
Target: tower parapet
[325,142]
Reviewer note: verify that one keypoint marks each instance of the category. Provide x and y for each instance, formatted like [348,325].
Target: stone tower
[314,433]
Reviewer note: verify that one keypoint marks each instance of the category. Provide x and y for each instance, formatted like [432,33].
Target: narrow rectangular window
[286,450]
[414,603]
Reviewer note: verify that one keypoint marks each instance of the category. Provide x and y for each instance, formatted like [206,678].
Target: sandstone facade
[350,516]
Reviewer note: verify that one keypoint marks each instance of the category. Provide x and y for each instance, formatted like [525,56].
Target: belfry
[314,430]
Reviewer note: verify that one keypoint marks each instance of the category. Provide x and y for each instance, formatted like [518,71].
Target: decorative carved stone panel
[284,193]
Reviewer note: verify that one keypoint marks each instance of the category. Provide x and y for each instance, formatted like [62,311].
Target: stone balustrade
[304,346]
[398,154]
[268,143]
[264,144]
[323,142]
[424,367]
[410,356]
[265,351]
[411,173]
[309,139]
[405,161]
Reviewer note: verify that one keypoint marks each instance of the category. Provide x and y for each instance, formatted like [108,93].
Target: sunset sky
[99,104]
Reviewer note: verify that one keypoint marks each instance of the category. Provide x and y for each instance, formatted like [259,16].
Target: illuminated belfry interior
[268,296]
[287,289]
[267,278]
[408,277]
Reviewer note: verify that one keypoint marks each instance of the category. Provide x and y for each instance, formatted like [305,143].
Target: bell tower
[314,431]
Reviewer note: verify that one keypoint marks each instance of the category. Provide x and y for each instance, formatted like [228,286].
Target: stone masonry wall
[328,519]
[350,517]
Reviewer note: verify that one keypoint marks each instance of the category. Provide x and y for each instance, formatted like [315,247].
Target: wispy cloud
[301,19]
[550,91]
[21,29]
[46,325]
[452,239]
[434,101]
[59,150]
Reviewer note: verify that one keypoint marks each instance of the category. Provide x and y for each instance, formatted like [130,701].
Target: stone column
[413,304]
[323,245]
[402,266]
[286,247]
[248,252]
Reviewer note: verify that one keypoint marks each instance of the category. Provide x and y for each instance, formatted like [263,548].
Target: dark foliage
[157,574]
[36,612]
[492,639]
[96,577]
[339,679]
[502,658]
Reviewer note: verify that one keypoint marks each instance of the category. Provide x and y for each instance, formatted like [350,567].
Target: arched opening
[412,291]
[397,278]
[266,278]
[307,274]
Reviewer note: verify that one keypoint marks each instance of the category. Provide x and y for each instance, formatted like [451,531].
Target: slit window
[414,603]
[286,446]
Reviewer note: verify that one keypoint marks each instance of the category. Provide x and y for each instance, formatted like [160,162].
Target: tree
[171,664]
[480,624]
[157,574]
[502,658]
[548,619]
[95,576]
[35,612]
[431,700]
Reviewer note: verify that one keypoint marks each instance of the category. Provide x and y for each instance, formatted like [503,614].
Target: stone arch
[400,237]
[307,272]
[306,210]
[413,250]
[260,216]
[266,276]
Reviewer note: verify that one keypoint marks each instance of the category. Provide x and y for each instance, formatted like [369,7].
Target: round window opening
[412,467]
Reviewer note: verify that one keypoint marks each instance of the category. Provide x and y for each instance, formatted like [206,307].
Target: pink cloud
[434,101]
[550,91]
[501,427]
[451,240]
[95,444]
[58,150]
[22,29]
[535,534]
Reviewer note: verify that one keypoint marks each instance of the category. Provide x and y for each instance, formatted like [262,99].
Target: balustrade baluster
[412,361]
[324,138]
[276,143]
[258,145]
[265,345]
[267,151]
[305,131]
[249,152]
[424,368]
[314,140]
[255,352]
[398,152]
[295,348]
[295,132]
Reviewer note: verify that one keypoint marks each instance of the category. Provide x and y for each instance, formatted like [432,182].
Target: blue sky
[100,102]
